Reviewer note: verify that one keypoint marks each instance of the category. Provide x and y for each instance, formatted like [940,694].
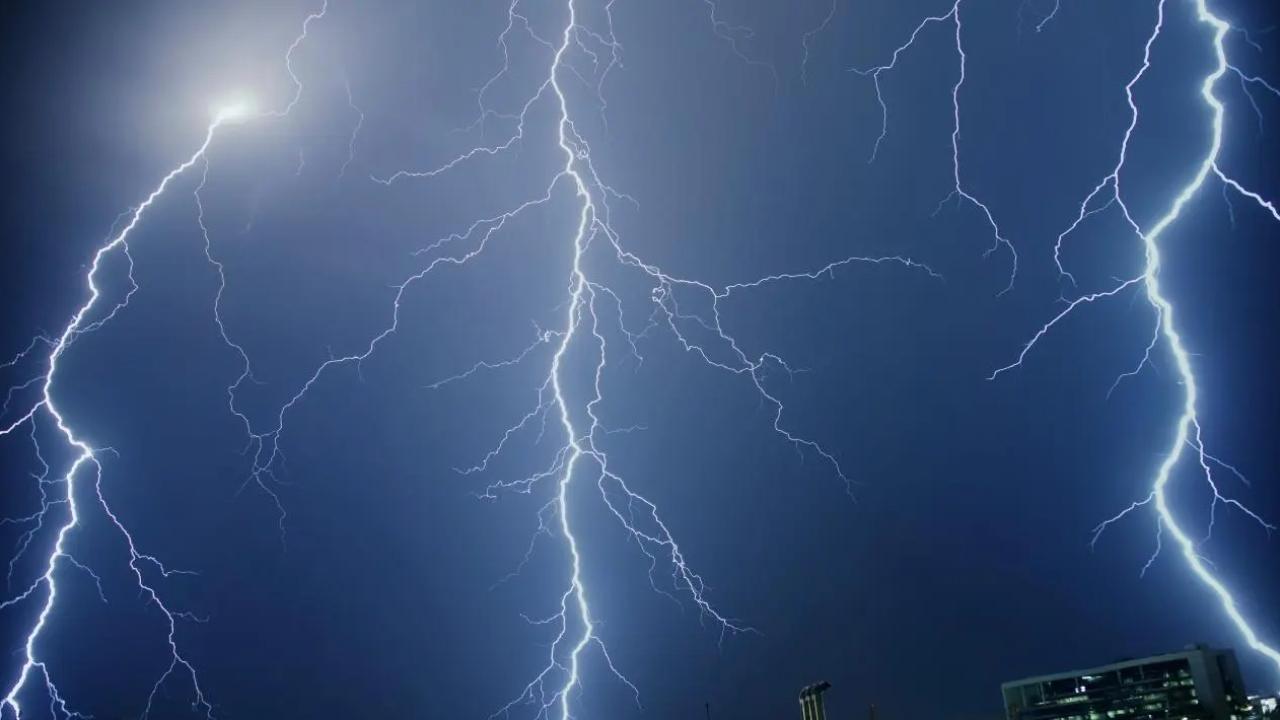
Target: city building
[1264,707]
[1199,683]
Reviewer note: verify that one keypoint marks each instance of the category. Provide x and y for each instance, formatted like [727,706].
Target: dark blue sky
[962,561]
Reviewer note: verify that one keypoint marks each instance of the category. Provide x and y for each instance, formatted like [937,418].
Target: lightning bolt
[806,41]
[265,444]
[87,465]
[592,312]
[1187,429]
[87,461]
[594,320]
[1045,17]
[958,192]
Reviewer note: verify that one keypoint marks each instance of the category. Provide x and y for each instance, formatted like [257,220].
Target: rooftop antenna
[811,705]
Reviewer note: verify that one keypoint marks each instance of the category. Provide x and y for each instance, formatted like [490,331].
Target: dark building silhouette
[1198,683]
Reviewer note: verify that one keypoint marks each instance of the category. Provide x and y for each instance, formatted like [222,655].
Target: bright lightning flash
[71,494]
[236,111]
[593,313]
[1105,195]
[1187,430]
[588,56]
[581,55]
[87,462]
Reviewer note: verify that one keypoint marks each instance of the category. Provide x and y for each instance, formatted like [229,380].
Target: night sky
[382,585]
